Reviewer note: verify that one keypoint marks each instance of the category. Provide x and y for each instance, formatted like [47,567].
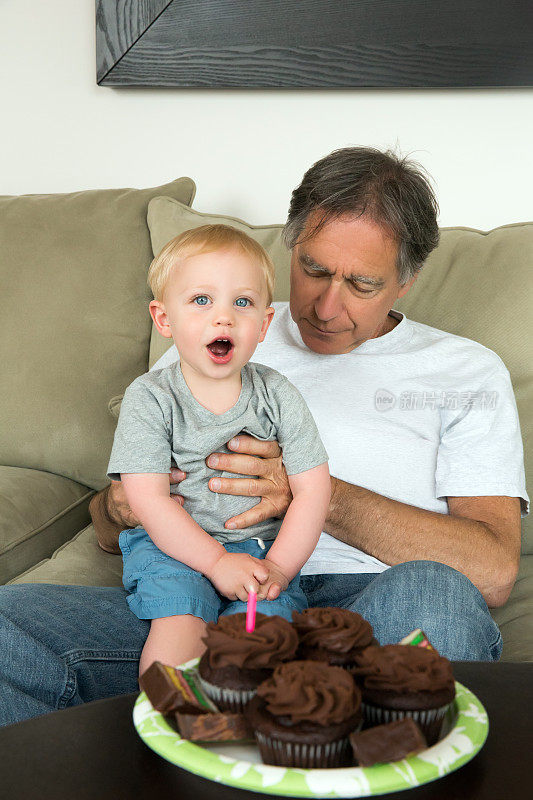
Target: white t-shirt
[416,415]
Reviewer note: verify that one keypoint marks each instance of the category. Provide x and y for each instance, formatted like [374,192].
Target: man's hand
[236,574]
[262,461]
[275,584]
[111,513]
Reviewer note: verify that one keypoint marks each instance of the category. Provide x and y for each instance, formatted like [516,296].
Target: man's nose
[329,305]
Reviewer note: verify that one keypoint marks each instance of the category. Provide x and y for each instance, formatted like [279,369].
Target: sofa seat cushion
[79,562]
[75,327]
[515,618]
[38,512]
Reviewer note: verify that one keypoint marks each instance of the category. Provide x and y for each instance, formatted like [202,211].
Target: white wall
[246,150]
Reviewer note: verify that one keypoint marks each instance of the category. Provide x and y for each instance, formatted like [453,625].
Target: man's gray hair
[391,191]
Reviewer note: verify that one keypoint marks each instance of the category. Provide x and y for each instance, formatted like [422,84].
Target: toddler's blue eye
[242,298]
[200,297]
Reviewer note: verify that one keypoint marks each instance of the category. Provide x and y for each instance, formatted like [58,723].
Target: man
[423,528]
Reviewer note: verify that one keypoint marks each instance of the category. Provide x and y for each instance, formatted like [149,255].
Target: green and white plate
[466,729]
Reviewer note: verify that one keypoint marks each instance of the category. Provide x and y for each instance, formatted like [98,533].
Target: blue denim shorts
[159,586]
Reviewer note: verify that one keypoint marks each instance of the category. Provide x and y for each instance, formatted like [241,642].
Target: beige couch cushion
[74,328]
[515,618]
[38,512]
[79,562]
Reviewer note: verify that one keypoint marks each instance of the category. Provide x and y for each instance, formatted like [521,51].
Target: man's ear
[160,318]
[406,286]
[267,319]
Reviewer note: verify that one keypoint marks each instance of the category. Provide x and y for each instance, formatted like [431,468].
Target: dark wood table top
[93,752]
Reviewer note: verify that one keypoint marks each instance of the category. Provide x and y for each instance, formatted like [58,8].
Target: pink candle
[250,611]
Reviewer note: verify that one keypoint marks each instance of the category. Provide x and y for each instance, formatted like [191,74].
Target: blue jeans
[65,645]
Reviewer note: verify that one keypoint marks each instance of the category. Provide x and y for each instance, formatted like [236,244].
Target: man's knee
[430,578]
[438,599]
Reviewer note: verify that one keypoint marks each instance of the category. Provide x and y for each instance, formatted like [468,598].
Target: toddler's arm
[302,524]
[176,533]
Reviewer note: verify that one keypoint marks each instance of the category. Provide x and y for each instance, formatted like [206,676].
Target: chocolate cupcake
[303,715]
[236,662]
[333,635]
[400,681]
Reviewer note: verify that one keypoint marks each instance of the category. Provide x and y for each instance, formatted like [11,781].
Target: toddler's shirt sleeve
[142,437]
[298,434]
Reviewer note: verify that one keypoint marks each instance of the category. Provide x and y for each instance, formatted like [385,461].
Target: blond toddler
[183,567]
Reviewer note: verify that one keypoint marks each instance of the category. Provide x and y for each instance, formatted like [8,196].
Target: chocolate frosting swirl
[404,669]
[335,629]
[311,691]
[228,643]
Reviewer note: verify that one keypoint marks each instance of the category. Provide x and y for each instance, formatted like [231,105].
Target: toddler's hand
[236,574]
[275,584]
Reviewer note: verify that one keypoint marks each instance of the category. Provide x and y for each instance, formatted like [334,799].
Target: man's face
[344,281]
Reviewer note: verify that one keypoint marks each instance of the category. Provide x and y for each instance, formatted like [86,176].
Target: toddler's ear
[160,318]
[267,319]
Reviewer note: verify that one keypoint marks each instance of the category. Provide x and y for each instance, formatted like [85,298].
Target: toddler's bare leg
[173,640]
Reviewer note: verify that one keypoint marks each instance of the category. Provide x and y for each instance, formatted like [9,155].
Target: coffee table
[93,752]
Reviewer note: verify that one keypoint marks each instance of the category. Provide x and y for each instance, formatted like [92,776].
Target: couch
[75,331]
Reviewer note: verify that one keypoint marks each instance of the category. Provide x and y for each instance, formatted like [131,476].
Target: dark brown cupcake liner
[304,755]
[227,699]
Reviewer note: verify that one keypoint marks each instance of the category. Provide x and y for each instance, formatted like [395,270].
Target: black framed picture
[314,44]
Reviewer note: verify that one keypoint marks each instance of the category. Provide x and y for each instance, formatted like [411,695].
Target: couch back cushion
[75,327]
[475,284]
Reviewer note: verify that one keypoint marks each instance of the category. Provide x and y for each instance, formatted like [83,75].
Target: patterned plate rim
[464,740]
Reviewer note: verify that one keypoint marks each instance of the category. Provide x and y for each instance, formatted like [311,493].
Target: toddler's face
[216,296]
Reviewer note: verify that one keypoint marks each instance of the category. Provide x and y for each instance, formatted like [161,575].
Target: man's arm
[110,512]
[480,537]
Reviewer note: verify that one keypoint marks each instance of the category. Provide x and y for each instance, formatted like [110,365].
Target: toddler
[212,290]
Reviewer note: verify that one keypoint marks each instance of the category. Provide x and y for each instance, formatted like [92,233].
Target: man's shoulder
[279,306]
[454,349]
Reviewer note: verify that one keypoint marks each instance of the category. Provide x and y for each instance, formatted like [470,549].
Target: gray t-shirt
[161,421]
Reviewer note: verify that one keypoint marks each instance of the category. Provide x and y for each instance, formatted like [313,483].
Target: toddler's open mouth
[221,350]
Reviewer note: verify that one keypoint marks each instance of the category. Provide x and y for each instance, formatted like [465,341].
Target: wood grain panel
[318,44]
[119,24]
